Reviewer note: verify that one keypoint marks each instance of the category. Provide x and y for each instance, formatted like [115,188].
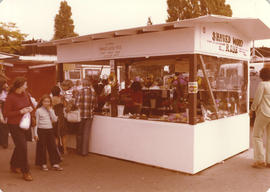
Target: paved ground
[102,174]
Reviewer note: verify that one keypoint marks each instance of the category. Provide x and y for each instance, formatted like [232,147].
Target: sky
[36,17]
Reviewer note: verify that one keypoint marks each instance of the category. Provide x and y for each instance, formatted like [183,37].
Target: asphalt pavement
[102,174]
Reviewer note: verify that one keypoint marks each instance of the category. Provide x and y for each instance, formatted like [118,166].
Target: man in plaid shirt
[85,102]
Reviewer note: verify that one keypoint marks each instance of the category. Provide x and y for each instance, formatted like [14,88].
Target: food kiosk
[206,58]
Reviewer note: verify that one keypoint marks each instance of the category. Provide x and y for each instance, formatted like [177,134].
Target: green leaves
[185,9]
[63,24]
[10,38]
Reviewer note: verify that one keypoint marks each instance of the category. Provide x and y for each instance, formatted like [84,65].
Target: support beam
[114,90]
[127,81]
[209,88]
[192,96]
[60,72]
[245,89]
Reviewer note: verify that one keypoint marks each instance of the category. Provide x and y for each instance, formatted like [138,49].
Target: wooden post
[126,75]
[192,96]
[116,71]
[245,88]
[60,72]
[114,90]
[209,88]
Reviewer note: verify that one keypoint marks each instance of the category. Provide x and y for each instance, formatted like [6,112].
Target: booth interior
[157,88]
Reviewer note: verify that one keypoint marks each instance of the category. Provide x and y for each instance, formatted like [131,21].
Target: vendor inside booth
[177,95]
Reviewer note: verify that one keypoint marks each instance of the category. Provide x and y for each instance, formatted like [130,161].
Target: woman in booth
[134,99]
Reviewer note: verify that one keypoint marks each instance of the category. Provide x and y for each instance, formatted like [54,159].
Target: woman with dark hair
[3,126]
[261,105]
[17,104]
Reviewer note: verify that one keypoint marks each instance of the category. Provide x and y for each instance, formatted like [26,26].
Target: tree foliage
[10,38]
[63,24]
[185,9]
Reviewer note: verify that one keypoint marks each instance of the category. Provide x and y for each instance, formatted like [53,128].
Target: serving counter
[181,147]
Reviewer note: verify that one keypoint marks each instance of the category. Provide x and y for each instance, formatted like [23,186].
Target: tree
[149,21]
[63,24]
[10,38]
[185,9]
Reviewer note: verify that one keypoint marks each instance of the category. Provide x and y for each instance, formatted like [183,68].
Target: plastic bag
[25,121]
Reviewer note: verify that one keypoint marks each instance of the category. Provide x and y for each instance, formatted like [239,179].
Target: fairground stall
[40,72]
[194,79]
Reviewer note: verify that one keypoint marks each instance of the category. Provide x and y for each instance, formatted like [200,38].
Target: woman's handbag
[25,121]
[73,116]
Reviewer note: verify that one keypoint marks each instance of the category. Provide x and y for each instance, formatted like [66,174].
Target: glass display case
[158,89]
[226,92]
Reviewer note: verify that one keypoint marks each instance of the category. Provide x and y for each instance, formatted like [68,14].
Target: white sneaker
[57,167]
[44,168]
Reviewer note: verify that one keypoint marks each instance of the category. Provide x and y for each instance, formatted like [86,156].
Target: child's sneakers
[44,168]
[57,167]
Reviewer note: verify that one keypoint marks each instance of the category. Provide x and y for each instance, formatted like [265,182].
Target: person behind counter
[261,105]
[180,92]
[134,99]
[102,94]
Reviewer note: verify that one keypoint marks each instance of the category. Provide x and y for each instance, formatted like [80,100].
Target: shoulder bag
[73,116]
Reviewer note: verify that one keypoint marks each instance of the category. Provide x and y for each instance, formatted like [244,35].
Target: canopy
[252,28]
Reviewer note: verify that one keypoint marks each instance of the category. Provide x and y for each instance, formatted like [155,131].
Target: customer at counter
[179,84]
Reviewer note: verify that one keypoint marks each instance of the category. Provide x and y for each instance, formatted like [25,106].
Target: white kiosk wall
[174,42]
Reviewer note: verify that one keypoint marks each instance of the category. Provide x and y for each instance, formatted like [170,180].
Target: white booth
[192,126]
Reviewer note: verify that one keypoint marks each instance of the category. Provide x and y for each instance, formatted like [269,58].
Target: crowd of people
[48,122]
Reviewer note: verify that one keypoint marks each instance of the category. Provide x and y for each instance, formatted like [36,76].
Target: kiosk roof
[253,28]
